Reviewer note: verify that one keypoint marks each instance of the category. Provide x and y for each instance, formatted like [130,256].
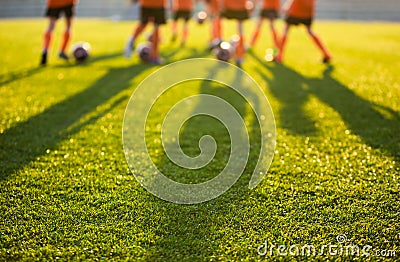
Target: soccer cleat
[157,61]
[128,48]
[43,60]
[277,58]
[326,60]
[239,62]
[214,44]
[62,55]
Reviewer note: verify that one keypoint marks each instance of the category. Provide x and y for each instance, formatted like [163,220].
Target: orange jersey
[213,6]
[59,3]
[152,3]
[183,5]
[235,4]
[302,8]
[271,4]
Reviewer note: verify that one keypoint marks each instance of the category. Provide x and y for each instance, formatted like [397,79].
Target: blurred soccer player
[301,12]
[181,9]
[237,9]
[270,10]
[213,11]
[54,8]
[150,11]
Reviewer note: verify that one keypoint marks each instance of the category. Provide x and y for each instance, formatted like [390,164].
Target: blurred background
[384,10]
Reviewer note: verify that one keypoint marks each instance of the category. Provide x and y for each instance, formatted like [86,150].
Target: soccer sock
[256,33]
[174,28]
[216,29]
[154,43]
[320,45]
[213,30]
[65,40]
[274,35]
[240,47]
[131,41]
[185,32]
[282,44]
[46,41]
[255,37]
[279,57]
[219,28]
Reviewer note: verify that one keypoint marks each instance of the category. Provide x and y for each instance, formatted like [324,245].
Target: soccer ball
[81,51]
[201,17]
[223,54]
[144,51]
[224,51]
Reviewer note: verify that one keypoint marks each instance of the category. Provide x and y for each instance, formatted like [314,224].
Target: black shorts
[55,12]
[269,13]
[184,14]
[291,20]
[156,15]
[235,14]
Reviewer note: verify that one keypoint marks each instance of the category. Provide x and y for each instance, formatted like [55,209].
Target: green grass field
[66,191]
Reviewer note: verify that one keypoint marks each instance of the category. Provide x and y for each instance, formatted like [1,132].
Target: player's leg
[131,40]
[158,19]
[185,31]
[145,15]
[326,55]
[213,10]
[282,43]
[240,50]
[155,55]
[256,31]
[139,29]
[218,27]
[274,33]
[48,33]
[175,26]
[47,39]
[66,37]
[216,31]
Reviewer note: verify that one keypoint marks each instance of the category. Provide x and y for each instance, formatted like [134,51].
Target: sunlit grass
[66,191]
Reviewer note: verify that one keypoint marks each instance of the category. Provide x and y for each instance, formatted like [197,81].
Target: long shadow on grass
[360,115]
[25,142]
[24,73]
[179,53]
[16,75]
[197,232]
[90,60]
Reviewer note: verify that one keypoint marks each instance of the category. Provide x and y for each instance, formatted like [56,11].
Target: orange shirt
[183,5]
[302,8]
[59,3]
[235,4]
[152,3]
[213,6]
[271,4]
